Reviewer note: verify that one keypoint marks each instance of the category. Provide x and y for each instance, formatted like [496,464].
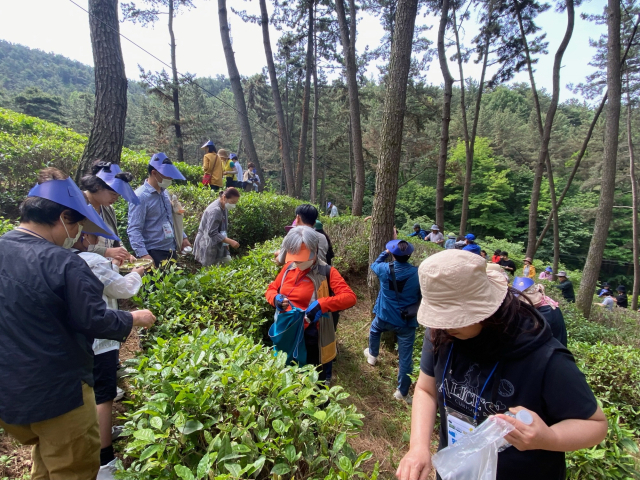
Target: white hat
[458,290]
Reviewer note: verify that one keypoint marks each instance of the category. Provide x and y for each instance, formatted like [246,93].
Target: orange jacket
[299,289]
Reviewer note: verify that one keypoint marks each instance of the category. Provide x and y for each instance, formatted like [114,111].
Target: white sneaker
[106,471]
[119,394]
[371,360]
[407,398]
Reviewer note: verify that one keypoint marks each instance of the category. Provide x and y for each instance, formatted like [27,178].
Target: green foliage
[231,295]
[28,144]
[213,403]
[5,225]
[350,240]
[414,199]
[33,101]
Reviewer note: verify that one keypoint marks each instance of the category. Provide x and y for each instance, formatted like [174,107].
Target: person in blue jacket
[471,245]
[399,292]
[417,231]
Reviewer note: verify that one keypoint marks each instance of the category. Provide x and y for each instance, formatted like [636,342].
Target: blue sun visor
[208,144]
[161,163]
[67,193]
[120,186]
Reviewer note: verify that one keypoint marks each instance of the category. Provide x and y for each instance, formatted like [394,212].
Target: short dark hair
[150,169]
[230,192]
[212,149]
[503,253]
[308,213]
[497,252]
[483,251]
[43,211]
[251,165]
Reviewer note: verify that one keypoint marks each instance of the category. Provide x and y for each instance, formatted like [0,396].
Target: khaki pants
[65,447]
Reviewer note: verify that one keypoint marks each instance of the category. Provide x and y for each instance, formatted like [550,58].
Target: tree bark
[395,104]
[302,145]
[446,115]
[546,135]
[107,132]
[238,94]
[607,186]
[634,197]
[283,134]
[314,127]
[348,40]
[174,88]
[471,144]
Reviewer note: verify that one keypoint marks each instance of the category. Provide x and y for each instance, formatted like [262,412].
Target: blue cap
[233,156]
[208,144]
[67,193]
[161,163]
[470,236]
[548,269]
[108,176]
[392,246]
[522,283]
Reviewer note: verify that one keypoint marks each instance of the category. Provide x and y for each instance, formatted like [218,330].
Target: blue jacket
[387,307]
[422,234]
[473,248]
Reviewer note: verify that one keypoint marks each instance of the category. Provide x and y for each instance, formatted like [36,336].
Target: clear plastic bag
[474,456]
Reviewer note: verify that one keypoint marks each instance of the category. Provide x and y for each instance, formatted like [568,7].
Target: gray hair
[299,235]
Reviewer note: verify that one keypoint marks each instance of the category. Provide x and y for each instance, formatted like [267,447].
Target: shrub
[613,372]
[5,225]
[350,239]
[229,295]
[216,405]
[28,144]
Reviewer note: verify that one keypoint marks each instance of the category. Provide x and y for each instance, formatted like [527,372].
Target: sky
[61,27]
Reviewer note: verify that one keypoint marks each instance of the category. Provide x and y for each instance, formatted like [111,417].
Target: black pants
[215,188]
[160,256]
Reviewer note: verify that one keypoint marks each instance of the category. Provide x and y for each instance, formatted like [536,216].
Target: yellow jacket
[532,272]
[228,168]
[212,165]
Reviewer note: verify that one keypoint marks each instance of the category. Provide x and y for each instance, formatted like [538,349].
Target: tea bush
[229,295]
[28,144]
[5,225]
[217,405]
[350,240]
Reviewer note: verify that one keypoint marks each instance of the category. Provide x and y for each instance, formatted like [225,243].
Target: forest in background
[505,152]
[55,88]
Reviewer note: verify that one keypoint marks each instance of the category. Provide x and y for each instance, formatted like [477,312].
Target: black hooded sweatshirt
[533,371]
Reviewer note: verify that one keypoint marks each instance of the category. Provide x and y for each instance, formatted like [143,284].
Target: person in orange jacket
[301,283]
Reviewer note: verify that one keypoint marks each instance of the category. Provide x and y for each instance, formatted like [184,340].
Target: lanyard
[444,394]
[32,232]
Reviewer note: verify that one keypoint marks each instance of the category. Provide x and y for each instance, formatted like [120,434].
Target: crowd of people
[61,328]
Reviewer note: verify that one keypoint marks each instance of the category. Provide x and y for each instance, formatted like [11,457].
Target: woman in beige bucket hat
[486,352]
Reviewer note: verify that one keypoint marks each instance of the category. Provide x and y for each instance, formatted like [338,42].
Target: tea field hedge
[28,144]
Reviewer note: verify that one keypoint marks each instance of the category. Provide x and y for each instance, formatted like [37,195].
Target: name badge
[168,231]
[458,425]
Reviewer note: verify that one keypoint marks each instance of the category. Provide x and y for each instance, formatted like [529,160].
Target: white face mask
[230,206]
[304,265]
[165,183]
[70,242]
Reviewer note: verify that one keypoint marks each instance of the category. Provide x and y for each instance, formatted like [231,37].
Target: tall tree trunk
[236,87]
[471,145]
[350,159]
[446,115]
[283,134]
[536,101]
[587,138]
[323,198]
[174,88]
[302,146]
[384,201]
[607,185]
[348,40]
[634,197]
[107,132]
[314,126]
[546,135]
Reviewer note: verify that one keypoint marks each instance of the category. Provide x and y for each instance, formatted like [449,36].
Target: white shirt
[334,212]
[239,170]
[434,237]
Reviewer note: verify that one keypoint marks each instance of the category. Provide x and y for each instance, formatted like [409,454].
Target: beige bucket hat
[222,153]
[458,290]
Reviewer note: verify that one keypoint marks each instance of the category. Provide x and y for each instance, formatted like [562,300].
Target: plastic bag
[474,456]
